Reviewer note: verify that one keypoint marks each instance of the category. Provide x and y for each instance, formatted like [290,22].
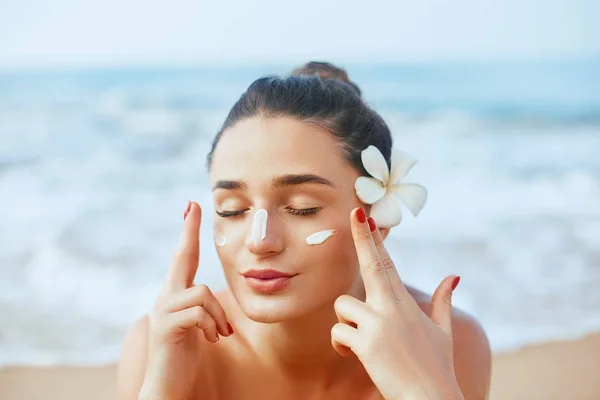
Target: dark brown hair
[325,70]
[318,93]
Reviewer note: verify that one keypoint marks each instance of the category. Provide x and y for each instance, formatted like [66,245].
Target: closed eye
[227,214]
[303,211]
[291,210]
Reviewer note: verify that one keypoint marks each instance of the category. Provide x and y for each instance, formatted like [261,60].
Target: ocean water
[97,166]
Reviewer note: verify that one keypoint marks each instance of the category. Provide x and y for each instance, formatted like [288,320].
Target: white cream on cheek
[319,237]
[220,240]
[259,225]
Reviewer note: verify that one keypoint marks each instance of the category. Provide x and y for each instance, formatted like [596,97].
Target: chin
[269,311]
[273,308]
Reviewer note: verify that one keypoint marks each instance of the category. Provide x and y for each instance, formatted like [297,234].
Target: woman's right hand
[180,310]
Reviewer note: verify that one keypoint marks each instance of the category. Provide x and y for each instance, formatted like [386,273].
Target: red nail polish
[361,216]
[372,225]
[230,328]
[187,210]
[455,282]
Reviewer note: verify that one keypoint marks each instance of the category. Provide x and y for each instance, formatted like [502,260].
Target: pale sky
[43,33]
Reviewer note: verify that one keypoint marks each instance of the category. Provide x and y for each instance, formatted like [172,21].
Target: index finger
[185,262]
[371,268]
[393,275]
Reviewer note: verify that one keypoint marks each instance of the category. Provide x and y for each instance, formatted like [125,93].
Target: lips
[266,274]
[267,280]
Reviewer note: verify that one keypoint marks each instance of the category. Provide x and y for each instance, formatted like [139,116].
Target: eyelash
[304,211]
[293,211]
[228,214]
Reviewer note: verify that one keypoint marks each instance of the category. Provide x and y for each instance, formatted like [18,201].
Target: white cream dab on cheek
[319,237]
[220,240]
[259,225]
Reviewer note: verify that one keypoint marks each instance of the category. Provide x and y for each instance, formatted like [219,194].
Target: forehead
[264,147]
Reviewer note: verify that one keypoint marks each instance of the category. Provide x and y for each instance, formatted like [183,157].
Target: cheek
[335,255]
[333,268]
[228,239]
[228,232]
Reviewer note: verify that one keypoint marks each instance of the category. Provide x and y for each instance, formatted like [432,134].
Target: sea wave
[96,167]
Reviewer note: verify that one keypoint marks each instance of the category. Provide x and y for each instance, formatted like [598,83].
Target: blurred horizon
[274,65]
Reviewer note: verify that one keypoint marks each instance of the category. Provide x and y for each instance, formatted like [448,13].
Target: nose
[264,236]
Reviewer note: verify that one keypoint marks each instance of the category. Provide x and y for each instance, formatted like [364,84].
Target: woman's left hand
[407,354]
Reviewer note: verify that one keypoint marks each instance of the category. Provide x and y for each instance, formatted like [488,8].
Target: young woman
[306,189]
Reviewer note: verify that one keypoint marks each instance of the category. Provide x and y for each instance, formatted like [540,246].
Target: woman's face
[295,172]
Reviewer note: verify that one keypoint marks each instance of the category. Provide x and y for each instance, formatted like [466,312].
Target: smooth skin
[345,327]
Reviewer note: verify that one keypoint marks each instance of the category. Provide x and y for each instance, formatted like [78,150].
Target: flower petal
[369,190]
[413,196]
[375,164]
[401,163]
[387,212]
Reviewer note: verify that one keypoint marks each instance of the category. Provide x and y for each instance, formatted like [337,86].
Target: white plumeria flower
[383,189]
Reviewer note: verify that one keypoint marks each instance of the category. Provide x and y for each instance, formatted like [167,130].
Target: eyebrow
[278,182]
[298,179]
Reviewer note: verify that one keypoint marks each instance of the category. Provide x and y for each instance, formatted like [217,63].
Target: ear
[384,232]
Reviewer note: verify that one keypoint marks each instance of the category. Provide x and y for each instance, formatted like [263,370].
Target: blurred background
[108,109]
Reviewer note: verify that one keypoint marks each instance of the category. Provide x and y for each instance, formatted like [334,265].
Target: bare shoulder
[132,363]
[472,354]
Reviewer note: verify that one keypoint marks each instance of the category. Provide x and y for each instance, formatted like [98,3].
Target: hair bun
[325,70]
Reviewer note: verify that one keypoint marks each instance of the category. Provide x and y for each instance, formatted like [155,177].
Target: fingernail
[230,328]
[361,216]
[187,210]
[372,225]
[455,282]
[217,338]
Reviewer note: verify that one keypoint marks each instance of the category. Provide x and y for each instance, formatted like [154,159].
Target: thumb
[441,303]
